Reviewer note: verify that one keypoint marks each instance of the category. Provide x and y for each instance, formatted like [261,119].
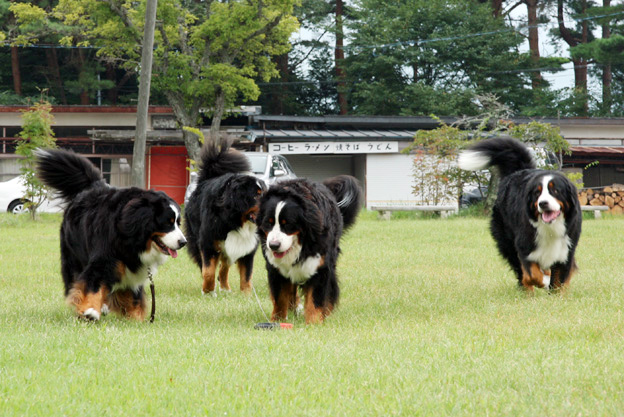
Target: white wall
[389,180]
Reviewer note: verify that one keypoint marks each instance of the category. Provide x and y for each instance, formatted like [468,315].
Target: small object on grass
[272,326]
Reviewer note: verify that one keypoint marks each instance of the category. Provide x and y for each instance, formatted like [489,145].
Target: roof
[281,135]
[597,150]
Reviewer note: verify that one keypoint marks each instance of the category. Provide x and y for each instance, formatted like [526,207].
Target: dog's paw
[212,294]
[91,314]
[105,309]
[299,309]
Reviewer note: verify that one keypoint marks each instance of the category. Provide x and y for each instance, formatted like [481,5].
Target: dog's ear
[569,194]
[531,195]
[136,216]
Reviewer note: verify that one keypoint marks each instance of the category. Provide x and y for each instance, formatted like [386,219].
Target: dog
[300,224]
[112,239]
[220,217]
[536,219]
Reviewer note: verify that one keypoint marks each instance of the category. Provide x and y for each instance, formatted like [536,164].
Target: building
[367,147]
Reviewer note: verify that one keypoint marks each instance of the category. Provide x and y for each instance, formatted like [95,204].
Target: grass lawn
[430,323]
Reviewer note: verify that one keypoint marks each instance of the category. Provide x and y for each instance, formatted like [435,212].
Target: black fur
[515,216]
[225,200]
[104,232]
[312,217]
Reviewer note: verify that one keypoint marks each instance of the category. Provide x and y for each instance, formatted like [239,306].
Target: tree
[36,134]
[207,54]
[417,57]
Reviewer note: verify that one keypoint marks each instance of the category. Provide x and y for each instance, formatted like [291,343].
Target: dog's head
[239,199]
[550,195]
[286,219]
[153,219]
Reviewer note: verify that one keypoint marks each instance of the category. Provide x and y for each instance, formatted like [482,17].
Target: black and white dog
[536,219]
[111,238]
[220,217]
[300,225]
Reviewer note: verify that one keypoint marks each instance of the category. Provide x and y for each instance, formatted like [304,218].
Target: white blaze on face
[174,239]
[276,235]
[546,197]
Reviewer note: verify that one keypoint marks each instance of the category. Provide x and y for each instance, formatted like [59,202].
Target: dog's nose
[543,204]
[182,242]
[274,244]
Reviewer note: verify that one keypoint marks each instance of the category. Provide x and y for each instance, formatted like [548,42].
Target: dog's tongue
[173,253]
[279,254]
[550,216]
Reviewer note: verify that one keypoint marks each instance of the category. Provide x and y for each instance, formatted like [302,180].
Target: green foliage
[418,57]
[36,133]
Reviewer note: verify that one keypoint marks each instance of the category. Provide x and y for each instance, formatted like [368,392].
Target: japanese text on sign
[334,147]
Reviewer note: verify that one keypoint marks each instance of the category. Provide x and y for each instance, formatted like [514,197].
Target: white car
[11,198]
[269,167]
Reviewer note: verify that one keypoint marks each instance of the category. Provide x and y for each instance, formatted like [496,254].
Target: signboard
[334,147]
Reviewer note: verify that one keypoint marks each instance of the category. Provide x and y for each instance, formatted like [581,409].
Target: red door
[167,171]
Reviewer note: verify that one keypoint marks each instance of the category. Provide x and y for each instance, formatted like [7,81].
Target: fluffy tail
[509,155]
[216,161]
[67,172]
[348,195]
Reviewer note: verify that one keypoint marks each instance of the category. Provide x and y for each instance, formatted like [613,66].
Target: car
[268,167]
[472,196]
[12,198]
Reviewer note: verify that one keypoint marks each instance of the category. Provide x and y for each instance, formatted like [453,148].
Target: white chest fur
[552,243]
[240,242]
[151,259]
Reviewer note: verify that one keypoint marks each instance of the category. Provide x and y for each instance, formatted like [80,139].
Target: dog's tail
[67,172]
[348,194]
[509,155]
[219,160]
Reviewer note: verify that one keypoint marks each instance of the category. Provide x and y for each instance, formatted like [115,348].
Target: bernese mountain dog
[536,219]
[220,217]
[112,239]
[300,225]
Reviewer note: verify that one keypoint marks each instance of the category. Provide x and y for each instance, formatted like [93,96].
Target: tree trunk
[534,42]
[84,94]
[185,116]
[339,58]
[277,98]
[580,65]
[17,77]
[219,111]
[607,76]
[53,66]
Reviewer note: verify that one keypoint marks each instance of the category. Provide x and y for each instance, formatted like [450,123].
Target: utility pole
[147,53]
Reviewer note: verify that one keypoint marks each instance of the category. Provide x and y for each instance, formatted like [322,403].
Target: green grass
[430,323]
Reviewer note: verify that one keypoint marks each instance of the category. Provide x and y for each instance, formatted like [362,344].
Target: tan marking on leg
[124,303]
[280,306]
[534,277]
[82,299]
[245,284]
[208,274]
[312,313]
[224,272]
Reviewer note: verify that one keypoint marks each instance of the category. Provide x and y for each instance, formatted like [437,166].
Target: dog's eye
[271,221]
[283,221]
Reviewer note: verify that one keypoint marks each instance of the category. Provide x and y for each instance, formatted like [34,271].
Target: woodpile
[611,196]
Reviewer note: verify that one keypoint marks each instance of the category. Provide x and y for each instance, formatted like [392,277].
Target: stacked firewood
[611,196]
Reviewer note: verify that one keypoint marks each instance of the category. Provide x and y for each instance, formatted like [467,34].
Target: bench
[386,211]
[596,210]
